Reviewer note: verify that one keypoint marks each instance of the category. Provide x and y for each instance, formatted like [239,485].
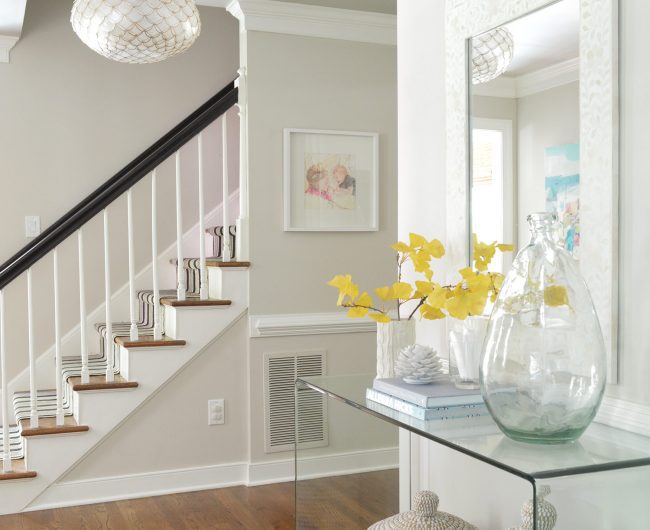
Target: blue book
[432,395]
[421,413]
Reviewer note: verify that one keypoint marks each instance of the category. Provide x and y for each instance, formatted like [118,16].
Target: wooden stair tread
[98,382]
[226,264]
[19,471]
[147,341]
[49,426]
[193,302]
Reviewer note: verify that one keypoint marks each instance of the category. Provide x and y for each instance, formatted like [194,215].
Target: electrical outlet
[32,225]
[216,412]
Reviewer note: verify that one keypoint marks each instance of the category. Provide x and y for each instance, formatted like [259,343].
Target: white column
[157,328]
[108,343]
[226,250]
[180,271]
[57,343]
[132,299]
[85,376]
[33,401]
[203,290]
[242,251]
[6,448]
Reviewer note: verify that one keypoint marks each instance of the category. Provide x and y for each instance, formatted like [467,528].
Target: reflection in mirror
[524,122]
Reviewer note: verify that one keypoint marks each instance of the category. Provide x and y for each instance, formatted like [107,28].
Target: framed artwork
[330,180]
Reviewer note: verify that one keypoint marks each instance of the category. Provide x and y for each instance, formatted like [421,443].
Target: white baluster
[108,343]
[33,397]
[85,376]
[179,232]
[242,220]
[226,250]
[132,299]
[57,344]
[203,290]
[157,328]
[6,448]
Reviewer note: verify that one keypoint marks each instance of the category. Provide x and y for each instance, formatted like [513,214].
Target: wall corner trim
[7,42]
[307,324]
[315,21]
[624,415]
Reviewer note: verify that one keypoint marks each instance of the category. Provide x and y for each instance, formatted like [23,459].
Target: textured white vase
[391,338]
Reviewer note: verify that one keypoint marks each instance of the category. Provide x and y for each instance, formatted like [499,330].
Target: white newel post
[57,343]
[203,289]
[133,332]
[6,447]
[108,344]
[33,397]
[242,251]
[226,250]
[157,328]
[85,375]
[180,270]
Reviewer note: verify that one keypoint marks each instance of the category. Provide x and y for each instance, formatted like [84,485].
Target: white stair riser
[148,364]
[227,283]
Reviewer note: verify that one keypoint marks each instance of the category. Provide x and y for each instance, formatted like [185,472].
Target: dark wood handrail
[118,184]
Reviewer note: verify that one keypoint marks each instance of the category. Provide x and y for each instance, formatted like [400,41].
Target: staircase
[51,429]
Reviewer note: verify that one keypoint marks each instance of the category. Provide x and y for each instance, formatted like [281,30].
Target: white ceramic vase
[391,338]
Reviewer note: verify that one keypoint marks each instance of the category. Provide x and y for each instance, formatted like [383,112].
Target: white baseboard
[324,466]
[121,487]
[624,415]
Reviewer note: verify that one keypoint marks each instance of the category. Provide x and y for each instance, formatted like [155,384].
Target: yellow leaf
[357,312]
[420,261]
[556,295]
[476,302]
[457,307]
[364,300]
[345,286]
[467,273]
[503,247]
[401,291]
[379,317]
[416,240]
[401,247]
[428,274]
[431,313]
[437,298]
[435,248]
[384,293]
[424,288]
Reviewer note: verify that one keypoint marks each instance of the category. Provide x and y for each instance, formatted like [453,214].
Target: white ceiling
[545,37]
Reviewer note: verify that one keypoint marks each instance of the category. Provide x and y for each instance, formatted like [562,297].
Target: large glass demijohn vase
[543,364]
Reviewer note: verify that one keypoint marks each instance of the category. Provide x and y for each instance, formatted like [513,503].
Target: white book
[421,413]
[438,394]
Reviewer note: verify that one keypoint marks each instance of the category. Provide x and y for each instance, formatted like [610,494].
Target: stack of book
[435,401]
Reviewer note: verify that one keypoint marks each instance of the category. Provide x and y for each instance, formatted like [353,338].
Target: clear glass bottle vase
[543,367]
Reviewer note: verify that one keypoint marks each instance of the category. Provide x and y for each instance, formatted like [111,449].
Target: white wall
[545,119]
[496,495]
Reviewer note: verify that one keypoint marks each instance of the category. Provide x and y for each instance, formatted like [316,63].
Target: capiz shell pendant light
[491,55]
[136,31]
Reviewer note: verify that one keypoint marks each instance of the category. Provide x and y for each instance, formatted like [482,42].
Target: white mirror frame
[598,141]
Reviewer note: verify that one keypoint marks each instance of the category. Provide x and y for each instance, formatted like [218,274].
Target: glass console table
[600,455]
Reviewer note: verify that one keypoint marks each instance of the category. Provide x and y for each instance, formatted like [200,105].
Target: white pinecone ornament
[418,365]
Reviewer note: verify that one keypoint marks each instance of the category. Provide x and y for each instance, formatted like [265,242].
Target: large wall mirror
[532,119]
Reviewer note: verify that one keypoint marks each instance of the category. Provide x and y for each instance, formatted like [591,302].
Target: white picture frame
[331,180]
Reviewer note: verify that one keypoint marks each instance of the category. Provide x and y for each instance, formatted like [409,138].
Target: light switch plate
[32,225]
[216,412]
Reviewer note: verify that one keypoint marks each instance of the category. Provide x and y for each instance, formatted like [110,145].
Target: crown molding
[6,44]
[315,21]
[532,83]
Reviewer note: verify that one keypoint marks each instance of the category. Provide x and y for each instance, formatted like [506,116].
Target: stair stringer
[120,302]
[52,456]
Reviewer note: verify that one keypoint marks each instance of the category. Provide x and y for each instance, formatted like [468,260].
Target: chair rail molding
[307,324]
[314,21]
[624,415]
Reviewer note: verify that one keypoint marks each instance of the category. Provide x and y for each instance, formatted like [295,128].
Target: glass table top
[600,448]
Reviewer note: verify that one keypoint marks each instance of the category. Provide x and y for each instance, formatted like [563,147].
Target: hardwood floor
[344,503]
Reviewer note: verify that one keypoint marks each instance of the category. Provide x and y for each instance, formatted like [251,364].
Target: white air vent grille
[280,372]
